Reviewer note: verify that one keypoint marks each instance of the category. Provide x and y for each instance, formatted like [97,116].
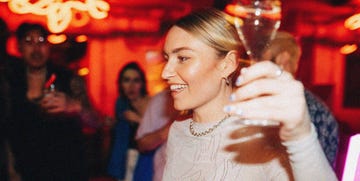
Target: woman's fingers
[265,92]
[265,69]
[55,102]
[268,108]
[264,87]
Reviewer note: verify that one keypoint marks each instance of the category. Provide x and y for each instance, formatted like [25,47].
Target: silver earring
[227,81]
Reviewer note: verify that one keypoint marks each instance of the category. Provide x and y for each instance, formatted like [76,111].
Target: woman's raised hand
[264,91]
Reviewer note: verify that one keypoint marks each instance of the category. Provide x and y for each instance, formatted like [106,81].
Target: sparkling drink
[256,24]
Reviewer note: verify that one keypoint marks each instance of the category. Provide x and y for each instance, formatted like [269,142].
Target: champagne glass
[256,22]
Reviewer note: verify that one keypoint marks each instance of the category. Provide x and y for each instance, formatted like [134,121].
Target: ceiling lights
[60,13]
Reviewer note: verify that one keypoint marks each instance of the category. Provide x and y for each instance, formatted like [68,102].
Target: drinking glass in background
[49,85]
[48,93]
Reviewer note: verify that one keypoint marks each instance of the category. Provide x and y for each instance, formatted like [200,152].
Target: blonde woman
[202,51]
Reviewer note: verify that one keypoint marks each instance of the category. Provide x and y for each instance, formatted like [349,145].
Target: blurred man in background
[45,133]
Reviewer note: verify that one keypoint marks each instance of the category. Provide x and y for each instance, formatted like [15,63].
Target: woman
[202,61]
[130,107]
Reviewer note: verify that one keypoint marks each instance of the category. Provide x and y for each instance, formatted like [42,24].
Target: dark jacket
[45,147]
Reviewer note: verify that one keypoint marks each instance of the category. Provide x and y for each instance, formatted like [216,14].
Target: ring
[279,71]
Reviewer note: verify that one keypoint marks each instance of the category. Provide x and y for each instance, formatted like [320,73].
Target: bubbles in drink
[256,27]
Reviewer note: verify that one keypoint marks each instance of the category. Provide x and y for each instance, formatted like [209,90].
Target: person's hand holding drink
[53,101]
[264,90]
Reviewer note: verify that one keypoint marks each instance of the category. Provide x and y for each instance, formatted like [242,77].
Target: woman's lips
[177,88]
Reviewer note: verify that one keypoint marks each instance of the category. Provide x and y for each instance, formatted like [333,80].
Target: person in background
[154,127]
[45,134]
[4,104]
[129,109]
[92,128]
[7,63]
[202,53]
[285,51]
[4,101]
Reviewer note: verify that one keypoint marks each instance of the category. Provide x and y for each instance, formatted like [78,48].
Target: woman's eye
[166,58]
[182,59]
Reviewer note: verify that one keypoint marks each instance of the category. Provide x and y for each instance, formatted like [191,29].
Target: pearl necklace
[194,133]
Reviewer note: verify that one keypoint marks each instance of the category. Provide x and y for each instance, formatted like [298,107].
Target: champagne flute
[256,22]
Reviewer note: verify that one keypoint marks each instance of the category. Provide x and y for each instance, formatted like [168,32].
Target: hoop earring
[227,81]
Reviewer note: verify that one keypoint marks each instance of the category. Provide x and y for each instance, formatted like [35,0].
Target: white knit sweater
[257,155]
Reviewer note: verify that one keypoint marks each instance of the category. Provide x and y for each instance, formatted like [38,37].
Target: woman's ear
[229,63]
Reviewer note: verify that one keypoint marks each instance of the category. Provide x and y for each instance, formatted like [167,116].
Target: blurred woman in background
[129,109]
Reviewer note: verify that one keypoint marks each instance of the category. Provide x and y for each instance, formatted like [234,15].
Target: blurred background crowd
[103,64]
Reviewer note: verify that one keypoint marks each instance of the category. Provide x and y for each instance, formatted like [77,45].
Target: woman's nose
[167,72]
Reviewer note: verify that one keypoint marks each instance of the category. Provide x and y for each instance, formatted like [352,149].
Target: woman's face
[131,84]
[192,70]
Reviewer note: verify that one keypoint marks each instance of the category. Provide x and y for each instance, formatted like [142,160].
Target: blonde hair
[212,27]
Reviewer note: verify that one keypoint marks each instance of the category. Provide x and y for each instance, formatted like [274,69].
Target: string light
[353,22]
[347,49]
[83,71]
[81,38]
[59,12]
[57,39]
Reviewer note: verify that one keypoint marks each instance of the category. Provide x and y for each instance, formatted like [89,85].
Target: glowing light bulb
[58,12]
[81,38]
[57,39]
[83,71]
[347,49]
[353,22]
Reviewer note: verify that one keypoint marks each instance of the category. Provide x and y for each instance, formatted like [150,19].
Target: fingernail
[239,80]
[232,109]
[232,97]
[229,109]
[243,70]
